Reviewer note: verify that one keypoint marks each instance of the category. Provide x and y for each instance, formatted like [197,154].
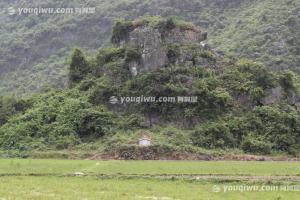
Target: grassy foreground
[115,189]
[40,166]
[111,180]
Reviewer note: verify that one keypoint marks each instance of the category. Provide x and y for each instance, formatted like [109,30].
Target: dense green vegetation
[79,67]
[230,111]
[35,48]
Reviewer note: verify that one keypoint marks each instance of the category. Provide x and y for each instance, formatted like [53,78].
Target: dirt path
[188,177]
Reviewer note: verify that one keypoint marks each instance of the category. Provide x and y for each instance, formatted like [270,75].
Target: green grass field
[154,180]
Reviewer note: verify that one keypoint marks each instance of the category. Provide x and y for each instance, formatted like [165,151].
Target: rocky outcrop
[155,44]
[278,94]
[273,96]
[148,42]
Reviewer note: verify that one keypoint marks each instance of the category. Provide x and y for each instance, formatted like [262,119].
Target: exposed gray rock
[152,44]
[297,105]
[149,42]
[191,54]
[245,100]
[292,97]
[273,96]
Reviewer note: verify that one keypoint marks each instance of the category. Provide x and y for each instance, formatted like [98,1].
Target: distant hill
[158,79]
[34,48]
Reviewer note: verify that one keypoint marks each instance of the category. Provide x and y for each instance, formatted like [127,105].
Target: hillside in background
[157,78]
[35,48]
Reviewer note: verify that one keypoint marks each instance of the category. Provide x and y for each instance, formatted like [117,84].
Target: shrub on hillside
[79,67]
[213,135]
[56,120]
[253,144]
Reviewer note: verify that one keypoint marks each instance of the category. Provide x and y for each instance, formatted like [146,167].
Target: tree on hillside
[79,67]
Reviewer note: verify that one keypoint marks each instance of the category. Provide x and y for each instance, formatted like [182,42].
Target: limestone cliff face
[160,47]
[273,96]
[148,42]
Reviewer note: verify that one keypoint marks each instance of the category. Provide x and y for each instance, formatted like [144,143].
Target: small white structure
[144,141]
[79,174]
